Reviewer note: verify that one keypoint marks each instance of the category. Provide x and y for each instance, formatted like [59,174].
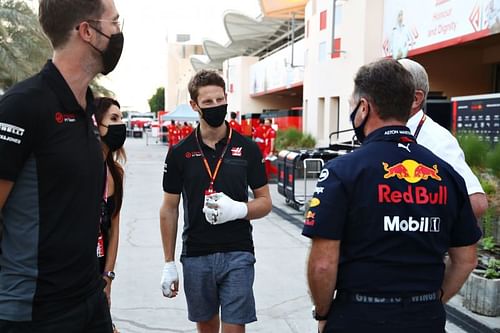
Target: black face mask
[115,138]
[113,52]
[214,116]
[360,130]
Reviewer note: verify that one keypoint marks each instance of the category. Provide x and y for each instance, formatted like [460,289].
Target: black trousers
[351,317]
[90,316]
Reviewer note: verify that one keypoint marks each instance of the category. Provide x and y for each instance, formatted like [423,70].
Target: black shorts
[352,317]
[89,316]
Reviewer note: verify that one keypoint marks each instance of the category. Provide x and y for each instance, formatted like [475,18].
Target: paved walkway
[283,304]
[138,305]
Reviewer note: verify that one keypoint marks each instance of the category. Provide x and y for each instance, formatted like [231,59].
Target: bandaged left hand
[219,208]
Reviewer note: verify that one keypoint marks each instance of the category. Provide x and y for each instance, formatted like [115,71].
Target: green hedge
[292,138]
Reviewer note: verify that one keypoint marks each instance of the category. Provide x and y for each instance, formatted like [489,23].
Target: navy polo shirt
[50,149]
[396,208]
[185,173]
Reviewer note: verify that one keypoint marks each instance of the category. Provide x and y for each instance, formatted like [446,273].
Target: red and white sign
[415,27]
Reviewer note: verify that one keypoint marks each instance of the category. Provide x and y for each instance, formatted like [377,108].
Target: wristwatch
[317,316]
[110,275]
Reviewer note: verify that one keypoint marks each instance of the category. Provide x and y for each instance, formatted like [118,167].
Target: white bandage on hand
[169,280]
[219,208]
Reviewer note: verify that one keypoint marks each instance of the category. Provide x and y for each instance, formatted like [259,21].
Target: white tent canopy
[183,112]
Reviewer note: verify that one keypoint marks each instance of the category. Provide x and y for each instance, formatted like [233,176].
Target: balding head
[419,75]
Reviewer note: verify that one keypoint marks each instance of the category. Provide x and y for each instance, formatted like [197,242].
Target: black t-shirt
[185,173]
[396,208]
[50,149]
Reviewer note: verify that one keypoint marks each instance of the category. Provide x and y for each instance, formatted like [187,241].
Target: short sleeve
[457,160]
[442,143]
[328,208]
[16,134]
[256,171]
[465,230]
[172,177]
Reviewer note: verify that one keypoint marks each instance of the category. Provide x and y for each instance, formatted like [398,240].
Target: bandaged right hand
[170,280]
[220,208]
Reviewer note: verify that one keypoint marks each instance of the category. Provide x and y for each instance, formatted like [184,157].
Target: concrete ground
[282,300]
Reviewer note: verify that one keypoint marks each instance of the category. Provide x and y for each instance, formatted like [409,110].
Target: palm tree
[23,46]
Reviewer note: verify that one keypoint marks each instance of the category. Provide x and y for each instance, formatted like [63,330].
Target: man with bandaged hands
[213,168]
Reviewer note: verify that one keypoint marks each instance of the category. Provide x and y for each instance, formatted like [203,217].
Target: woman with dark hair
[113,133]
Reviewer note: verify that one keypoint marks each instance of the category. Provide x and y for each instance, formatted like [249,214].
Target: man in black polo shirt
[213,168]
[51,177]
[382,219]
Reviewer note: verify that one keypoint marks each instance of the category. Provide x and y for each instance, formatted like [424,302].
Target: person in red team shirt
[186,130]
[269,137]
[173,134]
[259,136]
[234,123]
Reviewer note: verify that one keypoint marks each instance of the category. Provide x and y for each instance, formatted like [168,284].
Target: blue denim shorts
[220,280]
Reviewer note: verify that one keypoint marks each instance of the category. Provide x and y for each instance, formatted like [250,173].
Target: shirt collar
[414,120]
[58,84]
[390,133]
[222,141]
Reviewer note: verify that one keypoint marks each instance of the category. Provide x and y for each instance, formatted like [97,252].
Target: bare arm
[461,261]
[479,204]
[111,254]
[5,188]
[261,205]
[169,214]
[322,272]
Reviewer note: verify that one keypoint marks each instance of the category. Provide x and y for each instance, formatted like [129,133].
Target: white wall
[330,81]
[237,72]
[179,72]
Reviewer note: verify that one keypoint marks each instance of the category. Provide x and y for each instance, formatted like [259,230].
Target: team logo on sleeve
[323,175]
[9,132]
[315,202]
[310,221]
[319,190]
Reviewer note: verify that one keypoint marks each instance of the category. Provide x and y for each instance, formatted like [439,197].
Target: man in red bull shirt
[382,219]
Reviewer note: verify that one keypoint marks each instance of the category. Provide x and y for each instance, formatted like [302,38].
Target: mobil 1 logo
[412,224]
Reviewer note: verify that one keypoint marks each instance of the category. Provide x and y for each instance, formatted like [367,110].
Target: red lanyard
[419,126]
[219,162]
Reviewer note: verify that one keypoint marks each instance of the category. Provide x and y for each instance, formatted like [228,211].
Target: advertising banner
[415,27]
[276,73]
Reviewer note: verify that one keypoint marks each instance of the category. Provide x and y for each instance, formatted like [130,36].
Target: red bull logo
[411,171]
[419,195]
[310,221]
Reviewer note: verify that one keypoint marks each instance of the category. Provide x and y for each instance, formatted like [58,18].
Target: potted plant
[482,290]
